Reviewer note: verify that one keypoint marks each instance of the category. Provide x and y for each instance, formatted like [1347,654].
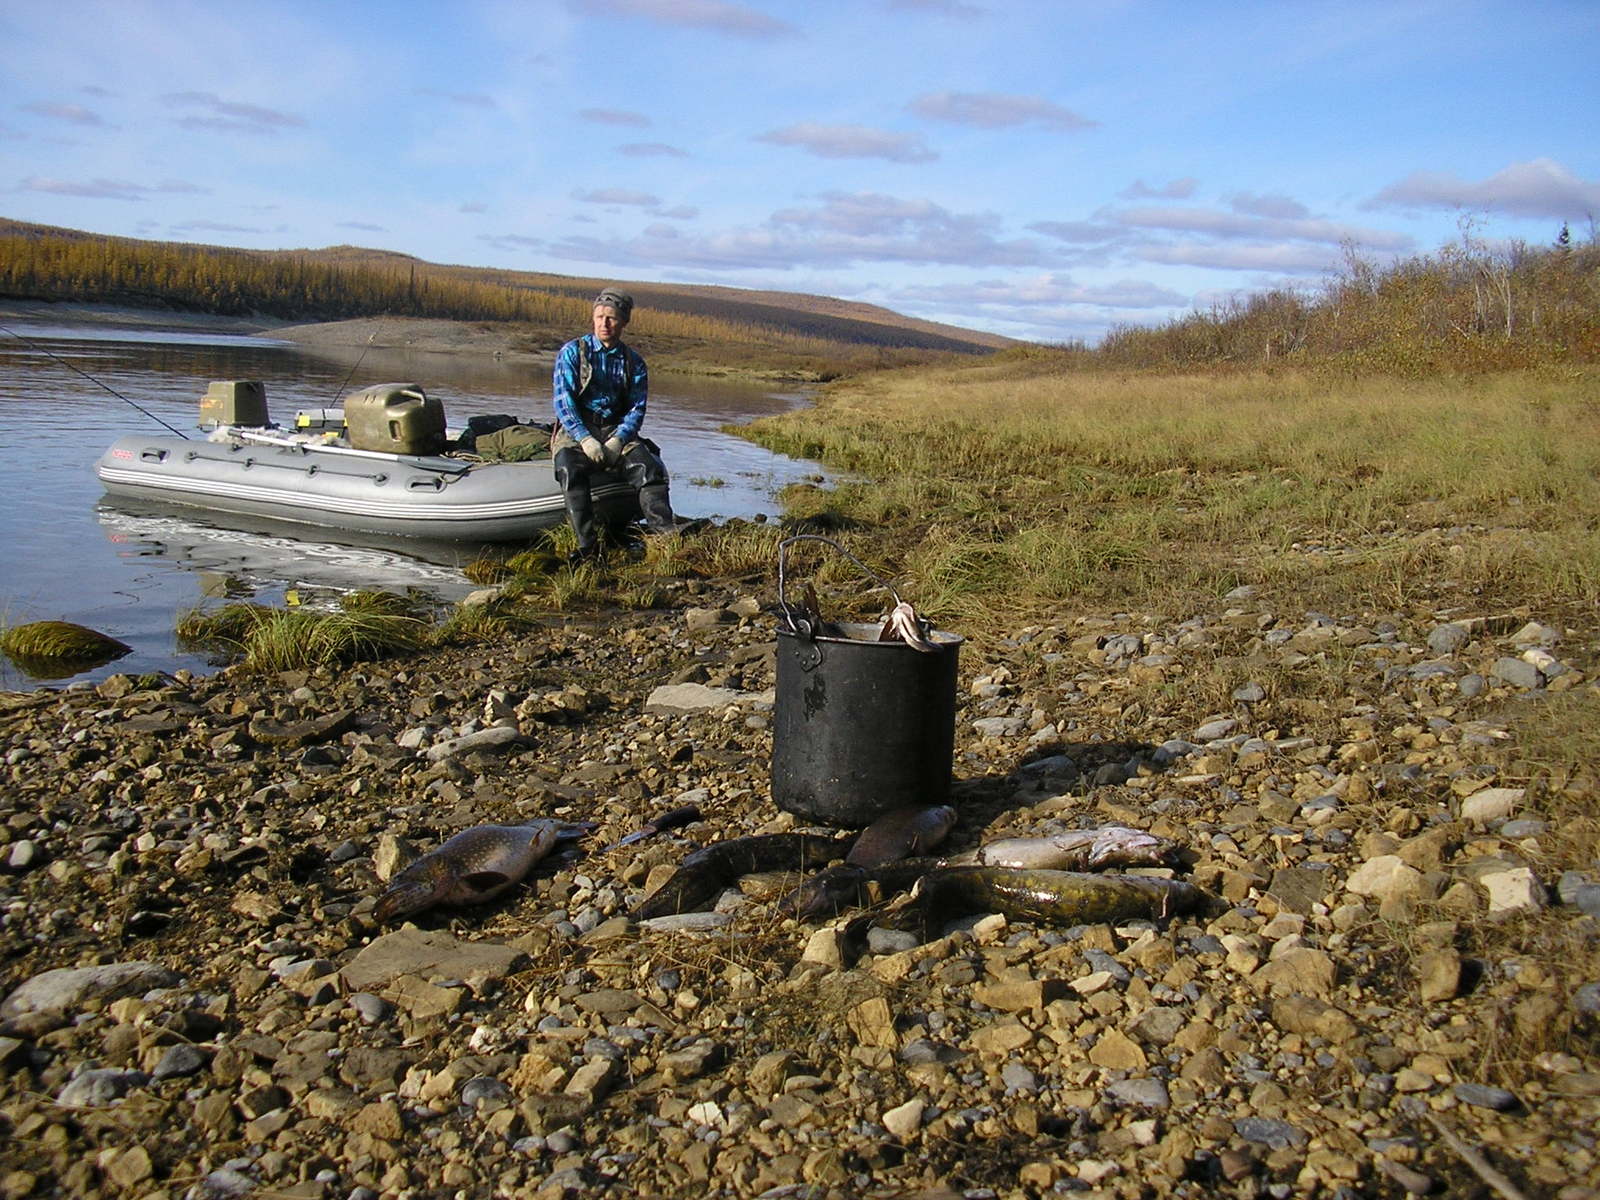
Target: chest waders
[641,465]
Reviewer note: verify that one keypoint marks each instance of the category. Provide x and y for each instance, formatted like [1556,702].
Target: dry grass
[1012,487]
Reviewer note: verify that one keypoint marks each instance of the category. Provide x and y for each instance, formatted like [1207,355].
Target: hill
[696,325]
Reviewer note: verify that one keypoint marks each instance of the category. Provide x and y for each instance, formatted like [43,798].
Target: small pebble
[1481,1095]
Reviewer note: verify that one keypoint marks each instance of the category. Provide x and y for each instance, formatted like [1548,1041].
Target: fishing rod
[357,366]
[45,350]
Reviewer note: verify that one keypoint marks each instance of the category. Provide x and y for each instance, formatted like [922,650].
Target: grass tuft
[273,639]
[60,640]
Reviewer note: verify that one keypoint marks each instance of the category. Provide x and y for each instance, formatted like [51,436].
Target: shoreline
[412,335]
[131,317]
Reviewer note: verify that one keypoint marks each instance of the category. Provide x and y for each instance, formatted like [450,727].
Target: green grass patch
[262,638]
[57,649]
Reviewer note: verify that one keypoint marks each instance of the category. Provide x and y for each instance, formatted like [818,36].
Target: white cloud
[844,230]
[1050,291]
[215,227]
[75,114]
[850,141]
[1177,189]
[715,15]
[613,116]
[1219,224]
[229,116]
[652,150]
[1086,232]
[618,196]
[992,110]
[108,189]
[1277,207]
[511,242]
[1541,187]
[1287,257]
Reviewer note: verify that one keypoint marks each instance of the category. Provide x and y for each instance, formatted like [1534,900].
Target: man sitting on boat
[601,389]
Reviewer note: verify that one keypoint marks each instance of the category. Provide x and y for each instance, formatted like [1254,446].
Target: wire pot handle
[800,624]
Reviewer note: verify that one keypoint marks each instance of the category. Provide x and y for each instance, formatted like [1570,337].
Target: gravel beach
[1394,976]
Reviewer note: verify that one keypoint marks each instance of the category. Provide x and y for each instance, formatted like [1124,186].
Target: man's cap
[617,299]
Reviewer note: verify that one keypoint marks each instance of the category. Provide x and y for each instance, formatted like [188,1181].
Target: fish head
[1132,847]
[940,820]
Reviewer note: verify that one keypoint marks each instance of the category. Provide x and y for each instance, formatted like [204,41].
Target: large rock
[1516,889]
[1491,804]
[697,697]
[62,993]
[427,954]
[496,737]
[1388,878]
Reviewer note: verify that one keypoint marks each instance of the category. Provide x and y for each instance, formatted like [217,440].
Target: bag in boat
[514,443]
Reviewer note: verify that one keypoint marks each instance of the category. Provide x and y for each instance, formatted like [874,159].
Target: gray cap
[617,299]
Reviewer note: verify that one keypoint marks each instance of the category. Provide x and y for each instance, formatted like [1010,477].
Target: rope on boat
[45,350]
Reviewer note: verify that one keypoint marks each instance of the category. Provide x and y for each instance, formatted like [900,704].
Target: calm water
[128,569]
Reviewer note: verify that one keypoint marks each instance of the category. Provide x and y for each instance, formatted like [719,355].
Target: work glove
[594,450]
[613,450]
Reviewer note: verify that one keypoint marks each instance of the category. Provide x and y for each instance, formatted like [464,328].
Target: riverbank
[1392,960]
[1372,740]
[500,341]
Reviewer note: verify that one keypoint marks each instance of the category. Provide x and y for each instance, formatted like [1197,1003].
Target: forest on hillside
[41,264]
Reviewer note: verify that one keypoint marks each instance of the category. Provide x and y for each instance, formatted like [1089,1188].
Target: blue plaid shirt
[617,393]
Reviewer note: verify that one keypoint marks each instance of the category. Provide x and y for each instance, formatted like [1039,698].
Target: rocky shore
[1397,992]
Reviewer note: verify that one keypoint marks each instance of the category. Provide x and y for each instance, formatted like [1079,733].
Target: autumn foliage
[1469,307]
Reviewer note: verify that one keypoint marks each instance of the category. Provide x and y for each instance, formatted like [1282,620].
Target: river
[128,570]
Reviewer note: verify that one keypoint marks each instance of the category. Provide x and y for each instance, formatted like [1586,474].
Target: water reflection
[128,569]
[259,559]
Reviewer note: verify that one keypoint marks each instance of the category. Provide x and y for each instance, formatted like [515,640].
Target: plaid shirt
[615,398]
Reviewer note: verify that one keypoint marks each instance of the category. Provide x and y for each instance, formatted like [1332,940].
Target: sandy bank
[425,334]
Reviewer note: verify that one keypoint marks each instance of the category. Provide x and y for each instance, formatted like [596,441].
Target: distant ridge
[795,313]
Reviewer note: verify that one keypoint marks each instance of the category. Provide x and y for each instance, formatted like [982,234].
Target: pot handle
[799,623]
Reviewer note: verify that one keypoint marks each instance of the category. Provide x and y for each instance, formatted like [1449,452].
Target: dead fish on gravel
[902,833]
[705,873]
[473,867]
[675,818]
[846,885]
[1052,897]
[1075,850]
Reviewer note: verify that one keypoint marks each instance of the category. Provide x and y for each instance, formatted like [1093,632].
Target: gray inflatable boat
[315,475]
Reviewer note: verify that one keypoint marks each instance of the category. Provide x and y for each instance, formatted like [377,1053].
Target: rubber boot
[657,509]
[574,481]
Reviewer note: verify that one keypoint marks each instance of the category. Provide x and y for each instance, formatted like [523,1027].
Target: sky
[1045,170]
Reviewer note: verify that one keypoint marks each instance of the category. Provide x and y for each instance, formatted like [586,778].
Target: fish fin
[484,882]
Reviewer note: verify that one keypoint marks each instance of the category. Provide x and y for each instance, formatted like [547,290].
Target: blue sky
[1044,170]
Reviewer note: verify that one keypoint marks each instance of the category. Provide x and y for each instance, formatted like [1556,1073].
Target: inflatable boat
[381,466]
